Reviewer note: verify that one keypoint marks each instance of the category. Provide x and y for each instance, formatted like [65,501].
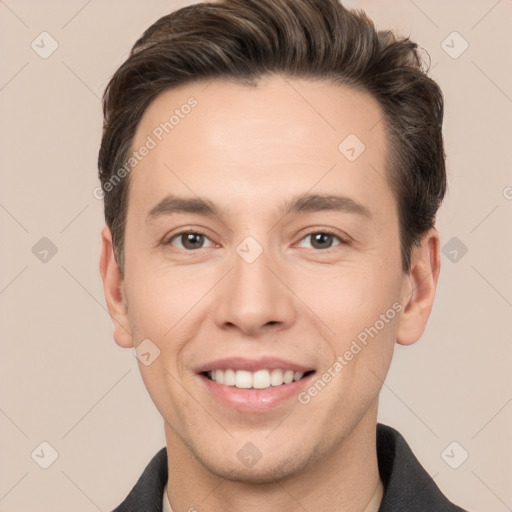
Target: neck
[347,480]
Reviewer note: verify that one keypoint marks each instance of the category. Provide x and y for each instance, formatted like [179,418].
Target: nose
[254,298]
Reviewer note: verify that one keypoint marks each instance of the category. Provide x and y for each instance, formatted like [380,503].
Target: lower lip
[254,400]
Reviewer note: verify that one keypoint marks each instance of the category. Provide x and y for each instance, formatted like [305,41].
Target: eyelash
[309,234]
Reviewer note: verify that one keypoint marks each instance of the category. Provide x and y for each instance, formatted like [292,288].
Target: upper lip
[252,365]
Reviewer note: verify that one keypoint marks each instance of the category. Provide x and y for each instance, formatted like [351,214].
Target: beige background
[64,381]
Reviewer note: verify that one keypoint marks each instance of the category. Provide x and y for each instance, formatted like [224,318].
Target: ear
[420,284]
[113,287]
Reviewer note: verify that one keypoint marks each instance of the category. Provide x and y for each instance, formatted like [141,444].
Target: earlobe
[113,284]
[420,286]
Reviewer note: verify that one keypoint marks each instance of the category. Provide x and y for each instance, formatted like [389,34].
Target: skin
[248,150]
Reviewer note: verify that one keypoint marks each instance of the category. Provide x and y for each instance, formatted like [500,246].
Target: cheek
[350,299]
[361,307]
[161,309]
[159,299]
[149,309]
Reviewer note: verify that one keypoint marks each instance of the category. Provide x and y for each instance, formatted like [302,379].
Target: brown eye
[192,240]
[321,240]
[189,241]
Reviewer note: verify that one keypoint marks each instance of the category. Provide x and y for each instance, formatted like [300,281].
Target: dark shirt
[408,487]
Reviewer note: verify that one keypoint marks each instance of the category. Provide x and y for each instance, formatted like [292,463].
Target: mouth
[260,379]
[254,385]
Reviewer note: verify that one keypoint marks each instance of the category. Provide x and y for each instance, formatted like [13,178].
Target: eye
[190,241]
[321,240]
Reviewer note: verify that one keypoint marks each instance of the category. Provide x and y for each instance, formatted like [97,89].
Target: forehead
[280,136]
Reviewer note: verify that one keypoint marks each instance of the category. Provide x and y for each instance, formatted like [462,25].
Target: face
[262,246]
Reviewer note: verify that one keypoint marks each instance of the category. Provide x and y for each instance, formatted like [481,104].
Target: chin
[264,471]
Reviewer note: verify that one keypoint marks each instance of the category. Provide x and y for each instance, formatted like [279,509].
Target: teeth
[229,378]
[276,378]
[243,379]
[261,379]
[288,376]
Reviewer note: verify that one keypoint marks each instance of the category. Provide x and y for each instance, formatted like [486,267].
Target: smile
[261,379]
[253,385]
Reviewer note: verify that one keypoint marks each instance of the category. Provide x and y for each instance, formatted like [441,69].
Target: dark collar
[409,488]
[148,492]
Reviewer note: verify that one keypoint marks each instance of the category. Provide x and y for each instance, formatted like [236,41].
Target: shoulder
[408,486]
[148,491]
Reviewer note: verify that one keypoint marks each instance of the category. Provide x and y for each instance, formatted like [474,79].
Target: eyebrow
[173,204]
[308,203]
[304,203]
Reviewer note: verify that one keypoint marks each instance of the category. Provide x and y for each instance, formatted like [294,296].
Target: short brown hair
[243,40]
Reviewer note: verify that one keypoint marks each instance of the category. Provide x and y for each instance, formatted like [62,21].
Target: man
[272,170]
